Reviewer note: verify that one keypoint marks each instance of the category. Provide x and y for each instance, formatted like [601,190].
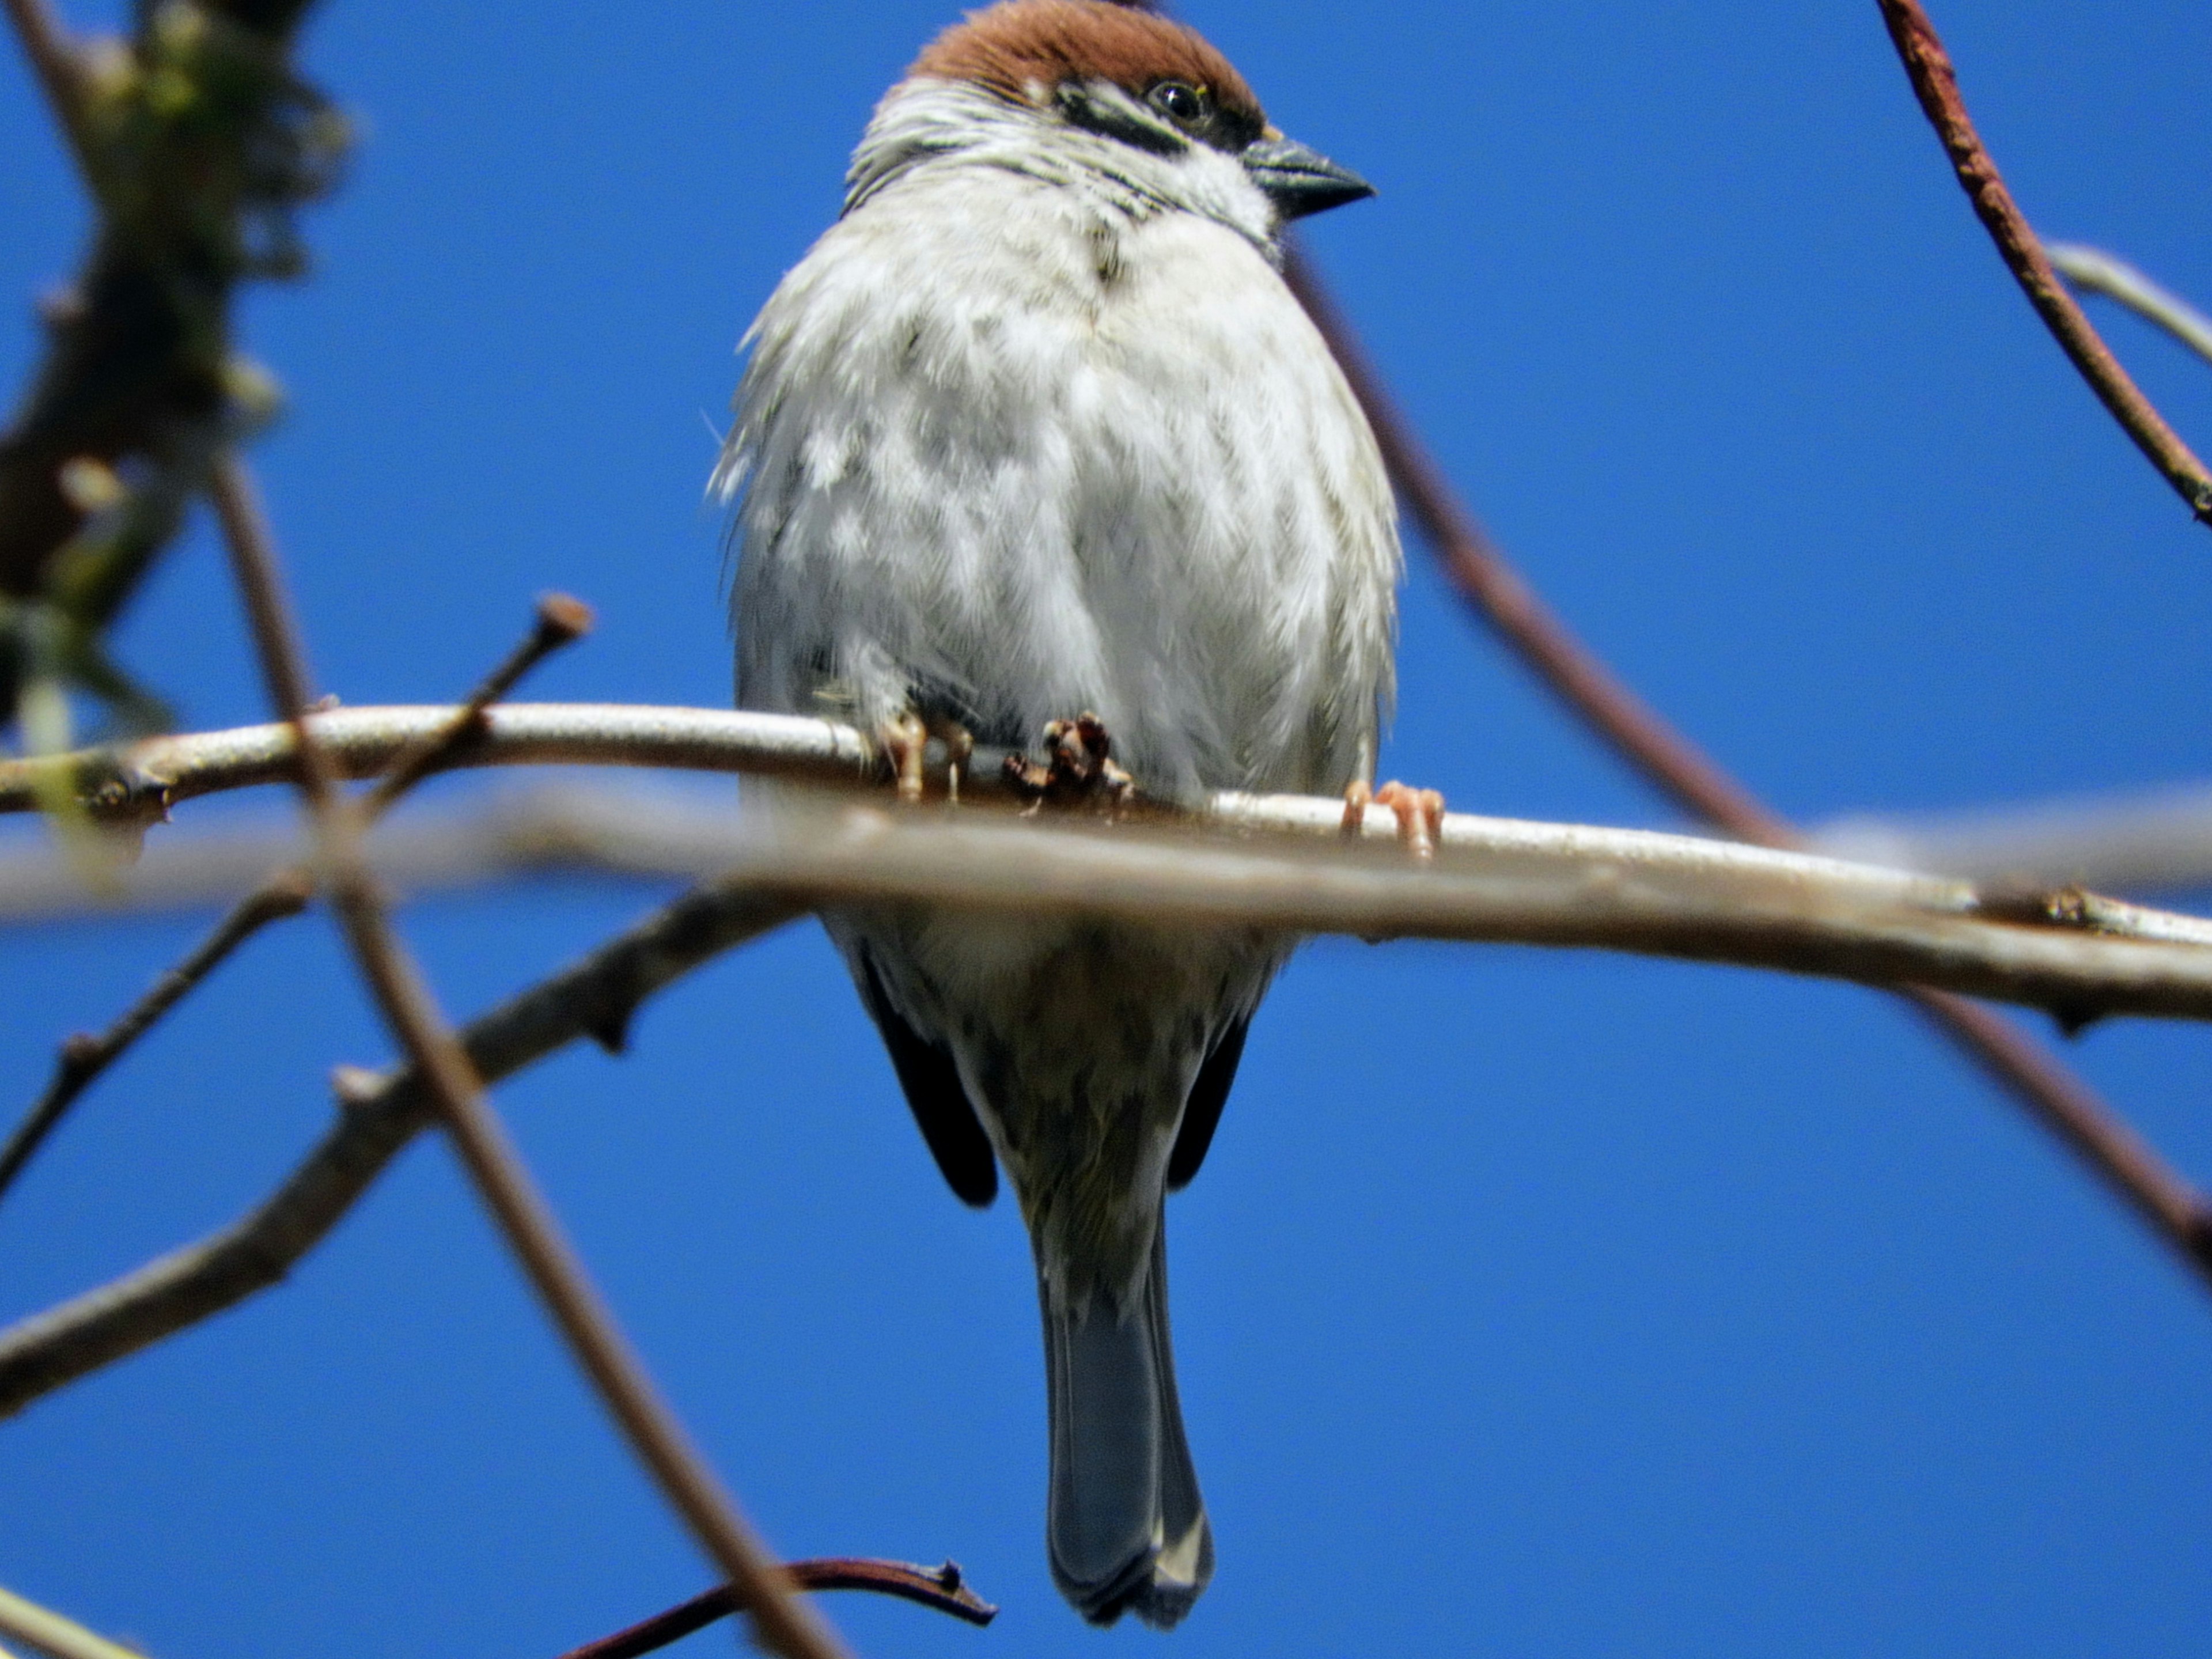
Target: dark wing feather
[934,1094]
[1201,1113]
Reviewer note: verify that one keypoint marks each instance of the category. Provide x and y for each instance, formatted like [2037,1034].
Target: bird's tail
[1125,1526]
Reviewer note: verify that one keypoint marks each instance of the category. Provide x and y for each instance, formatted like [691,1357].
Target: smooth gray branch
[1493,880]
[2157,841]
[2096,271]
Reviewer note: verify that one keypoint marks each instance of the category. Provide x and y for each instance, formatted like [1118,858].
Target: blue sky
[1530,1304]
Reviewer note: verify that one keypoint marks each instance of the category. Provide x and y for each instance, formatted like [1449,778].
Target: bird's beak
[1298,180]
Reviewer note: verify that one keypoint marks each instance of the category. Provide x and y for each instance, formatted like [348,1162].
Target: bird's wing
[941,1105]
[1201,1113]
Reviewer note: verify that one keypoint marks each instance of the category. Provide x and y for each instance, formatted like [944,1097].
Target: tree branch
[941,1589]
[1935,82]
[84,1058]
[2045,1089]
[781,1622]
[49,1632]
[595,997]
[2099,272]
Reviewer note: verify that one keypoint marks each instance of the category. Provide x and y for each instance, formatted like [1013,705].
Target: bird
[1035,438]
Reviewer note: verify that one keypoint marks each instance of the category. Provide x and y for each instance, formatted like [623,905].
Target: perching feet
[905,742]
[1077,768]
[1420,813]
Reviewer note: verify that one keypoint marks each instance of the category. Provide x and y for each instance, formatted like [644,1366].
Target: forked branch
[1935,82]
[85,1057]
[779,1621]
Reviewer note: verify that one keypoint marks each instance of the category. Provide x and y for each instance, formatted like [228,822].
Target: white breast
[1013,453]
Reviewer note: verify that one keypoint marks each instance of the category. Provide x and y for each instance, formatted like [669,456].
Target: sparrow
[1036,428]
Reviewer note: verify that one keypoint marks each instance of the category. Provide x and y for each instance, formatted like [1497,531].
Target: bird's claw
[1420,813]
[905,741]
[1079,767]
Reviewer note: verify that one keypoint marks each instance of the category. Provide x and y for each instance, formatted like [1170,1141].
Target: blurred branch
[1493,881]
[49,1632]
[1936,84]
[2099,272]
[53,59]
[2051,1094]
[2155,842]
[781,1622]
[941,1589]
[199,144]
[84,1058]
[379,1113]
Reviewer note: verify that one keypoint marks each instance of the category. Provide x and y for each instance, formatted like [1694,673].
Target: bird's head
[1063,88]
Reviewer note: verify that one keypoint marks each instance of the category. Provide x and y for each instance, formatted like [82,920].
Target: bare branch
[594,998]
[561,621]
[1936,84]
[48,1632]
[781,1622]
[2156,841]
[2099,272]
[942,1589]
[2044,1086]
[1494,880]
[84,1058]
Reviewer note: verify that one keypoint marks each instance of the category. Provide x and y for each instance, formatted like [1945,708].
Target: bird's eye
[1185,105]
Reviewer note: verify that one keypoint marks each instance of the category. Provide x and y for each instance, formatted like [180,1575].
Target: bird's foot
[1079,767]
[1420,813]
[905,741]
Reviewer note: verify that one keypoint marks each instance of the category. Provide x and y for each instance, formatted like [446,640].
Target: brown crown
[1019,45]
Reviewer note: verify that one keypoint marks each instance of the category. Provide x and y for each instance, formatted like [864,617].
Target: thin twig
[49,1632]
[2050,1092]
[84,1058]
[1936,84]
[594,998]
[561,620]
[942,1589]
[2099,272]
[781,1622]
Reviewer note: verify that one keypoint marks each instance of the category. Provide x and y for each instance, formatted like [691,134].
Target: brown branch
[2046,1088]
[594,998]
[781,1622]
[85,1058]
[199,144]
[1937,85]
[941,1589]
[2096,271]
